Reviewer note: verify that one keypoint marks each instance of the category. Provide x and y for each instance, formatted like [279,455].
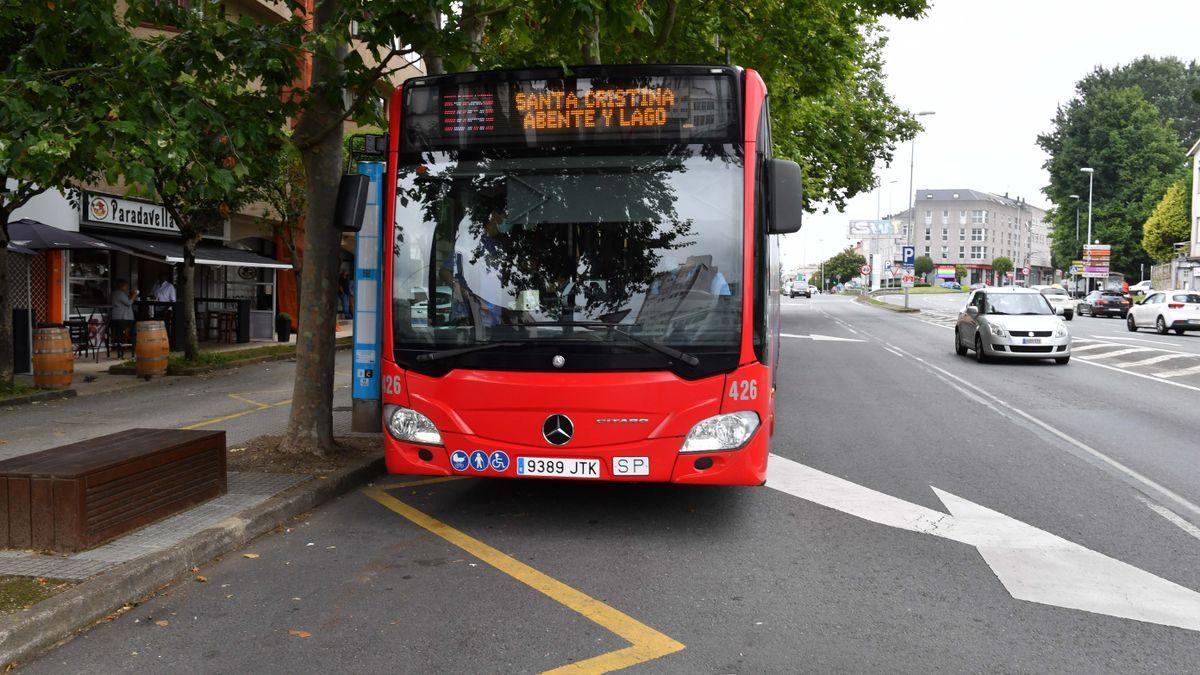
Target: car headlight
[1061,331]
[406,424]
[997,330]
[721,432]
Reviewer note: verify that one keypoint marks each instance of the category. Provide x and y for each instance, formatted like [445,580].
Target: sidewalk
[92,374]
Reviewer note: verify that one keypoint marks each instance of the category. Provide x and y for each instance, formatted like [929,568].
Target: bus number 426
[743,390]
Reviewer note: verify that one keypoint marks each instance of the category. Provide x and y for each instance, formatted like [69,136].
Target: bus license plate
[555,466]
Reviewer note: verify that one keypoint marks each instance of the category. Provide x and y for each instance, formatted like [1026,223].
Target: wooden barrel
[151,349]
[53,358]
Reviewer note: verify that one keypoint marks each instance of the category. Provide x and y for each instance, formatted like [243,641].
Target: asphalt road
[848,560]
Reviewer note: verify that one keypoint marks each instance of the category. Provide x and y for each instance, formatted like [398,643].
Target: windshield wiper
[459,351]
[613,327]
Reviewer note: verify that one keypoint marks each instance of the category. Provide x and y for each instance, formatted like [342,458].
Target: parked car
[1103,303]
[1011,323]
[951,285]
[1166,310]
[1143,287]
[1057,297]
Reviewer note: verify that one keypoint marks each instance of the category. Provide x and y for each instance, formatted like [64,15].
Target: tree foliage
[844,265]
[1135,154]
[922,265]
[54,116]
[202,118]
[960,272]
[1168,223]
[1002,265]
[1166,83]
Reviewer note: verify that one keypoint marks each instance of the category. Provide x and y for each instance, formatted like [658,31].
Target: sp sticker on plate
[631,466]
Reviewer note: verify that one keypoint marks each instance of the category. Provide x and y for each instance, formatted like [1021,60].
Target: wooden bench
[77,496]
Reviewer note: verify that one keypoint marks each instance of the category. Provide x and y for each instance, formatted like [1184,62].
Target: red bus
[581,273]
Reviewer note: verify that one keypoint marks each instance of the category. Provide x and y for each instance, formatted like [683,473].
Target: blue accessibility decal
[459,459]
[500,460]
[479,460]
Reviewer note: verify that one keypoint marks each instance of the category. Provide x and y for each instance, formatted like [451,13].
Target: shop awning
[17,248]
[206,253]
[38,236]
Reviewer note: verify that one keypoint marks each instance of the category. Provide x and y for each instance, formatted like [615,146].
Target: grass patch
[17,593]
[923,290]
[221,358]
[16,389]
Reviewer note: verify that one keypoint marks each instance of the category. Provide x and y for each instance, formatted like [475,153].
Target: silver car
[1011,323]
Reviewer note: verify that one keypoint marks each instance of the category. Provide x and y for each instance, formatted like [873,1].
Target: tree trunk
[310,424]
[432,59]
[474,26]
[187,298]
[6,327]
[591,44]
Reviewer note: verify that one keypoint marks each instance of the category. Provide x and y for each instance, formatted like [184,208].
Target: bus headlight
[406,424]
[721,432]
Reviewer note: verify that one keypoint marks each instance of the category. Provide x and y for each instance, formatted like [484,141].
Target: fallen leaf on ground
[202,579]
[300,633]
[162,622]
[251,556]
[195,569]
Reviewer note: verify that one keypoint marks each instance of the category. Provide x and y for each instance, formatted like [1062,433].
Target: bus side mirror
[786,196]
[351,202]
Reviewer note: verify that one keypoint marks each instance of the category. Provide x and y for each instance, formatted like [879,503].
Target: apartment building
[971,228]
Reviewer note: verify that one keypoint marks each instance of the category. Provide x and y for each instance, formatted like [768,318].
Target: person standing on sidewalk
[122,316]
[345,294]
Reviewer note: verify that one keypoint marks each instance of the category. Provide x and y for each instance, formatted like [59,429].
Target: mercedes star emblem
[557,429]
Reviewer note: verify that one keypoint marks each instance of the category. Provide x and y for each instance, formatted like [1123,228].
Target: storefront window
[90,278]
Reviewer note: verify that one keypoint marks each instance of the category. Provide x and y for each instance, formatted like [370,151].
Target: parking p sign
[910,256]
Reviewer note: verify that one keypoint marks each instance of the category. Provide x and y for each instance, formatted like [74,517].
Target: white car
[1141,287]
[1166,310]
[1011,323]
[1059,299]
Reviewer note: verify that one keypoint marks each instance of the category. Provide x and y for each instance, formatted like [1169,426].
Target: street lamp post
[1091,174]
[912,195]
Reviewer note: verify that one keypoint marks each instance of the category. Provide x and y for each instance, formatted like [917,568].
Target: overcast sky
[994,73]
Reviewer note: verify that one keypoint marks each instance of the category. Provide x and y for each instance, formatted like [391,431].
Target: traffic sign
[1073,270]
[909,255]
[865,269]
[907,281]
[1009,274]
[897,270]
[1025,271]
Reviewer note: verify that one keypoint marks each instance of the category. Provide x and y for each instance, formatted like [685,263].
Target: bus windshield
[516,245]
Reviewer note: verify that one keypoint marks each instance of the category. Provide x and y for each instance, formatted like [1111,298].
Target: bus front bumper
[652,460]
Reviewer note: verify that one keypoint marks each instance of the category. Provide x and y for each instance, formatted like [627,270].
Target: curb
[25,635]
[228,365]
[38,397]
[888,306]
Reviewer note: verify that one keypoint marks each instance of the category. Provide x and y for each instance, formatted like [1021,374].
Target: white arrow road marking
[821,338]
[1032,564]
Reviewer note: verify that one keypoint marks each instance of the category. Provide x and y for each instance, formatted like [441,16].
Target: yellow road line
[646,643]
[235,415]
[251,401]
[415,483]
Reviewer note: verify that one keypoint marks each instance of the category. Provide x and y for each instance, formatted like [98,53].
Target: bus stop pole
[366,407]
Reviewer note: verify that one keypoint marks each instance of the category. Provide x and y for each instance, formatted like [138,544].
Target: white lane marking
[1109,461]
[1172,517]
[1094,345]
[821,338]
[1179,373]
[1119,352]
[1153,342]
[1152,360]
[1141,375]
[1032,564]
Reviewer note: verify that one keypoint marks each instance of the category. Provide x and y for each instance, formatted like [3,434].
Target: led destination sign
[656,109]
